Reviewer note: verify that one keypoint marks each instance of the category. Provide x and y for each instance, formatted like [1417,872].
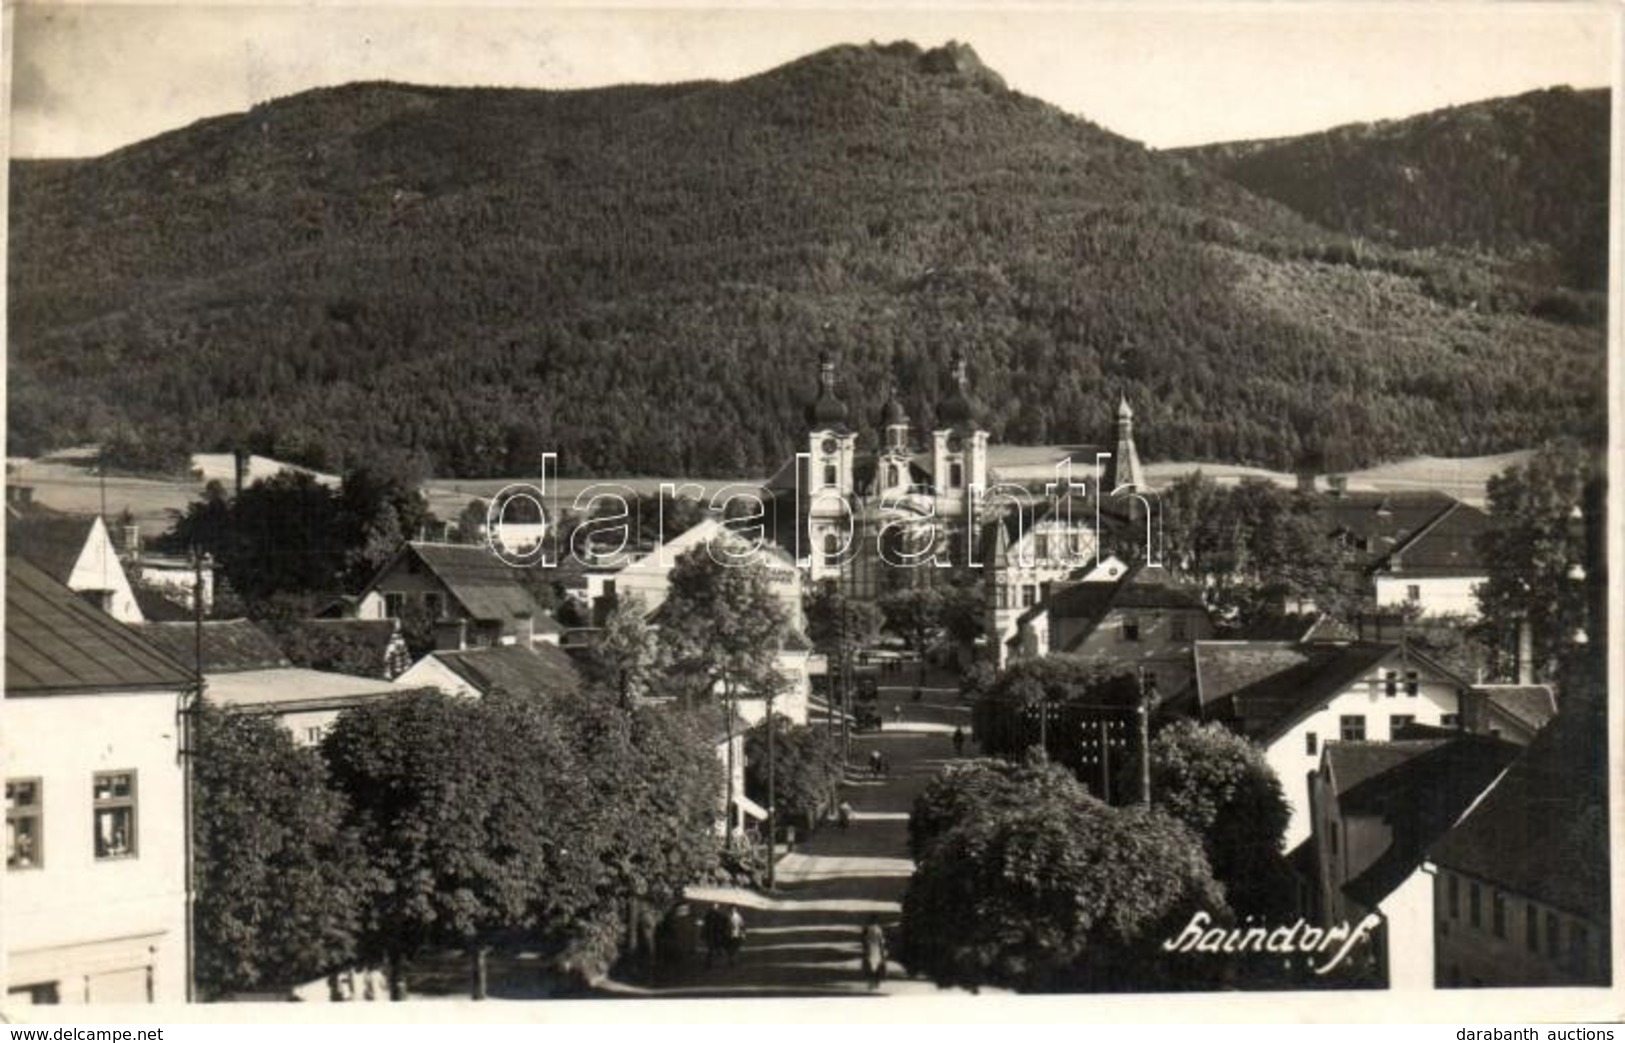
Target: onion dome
[827,410]
[892,414]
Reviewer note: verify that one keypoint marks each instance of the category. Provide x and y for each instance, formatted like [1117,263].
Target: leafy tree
[1538,545]
[626,653]
[1219,784]
[464,848]
[1053,891]
[913,614]
[840,627]
[722,626]
[380,507]
[1064,691]
[807,769]
[280,881]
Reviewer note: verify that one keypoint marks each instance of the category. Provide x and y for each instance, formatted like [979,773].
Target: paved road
[803,939]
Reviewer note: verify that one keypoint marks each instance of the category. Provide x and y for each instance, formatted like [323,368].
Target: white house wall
[94,928]
[1437,595]
[99,568]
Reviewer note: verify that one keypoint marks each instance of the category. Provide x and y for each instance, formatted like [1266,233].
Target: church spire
[827,411]
[1126,470]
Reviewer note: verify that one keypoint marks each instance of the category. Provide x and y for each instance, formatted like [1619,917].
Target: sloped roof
[1541,832]
[326,639]
[485,586]
[541,670]
[1383,520]
[229,645]
[1445,546]
[157,608]
[57,643]
[1420,797]
[1531,705]
[1295,627]
[51,542]
[1267,687]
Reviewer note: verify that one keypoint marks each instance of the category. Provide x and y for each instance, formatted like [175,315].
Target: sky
[89,78]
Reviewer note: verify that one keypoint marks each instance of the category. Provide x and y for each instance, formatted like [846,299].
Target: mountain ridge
[640,278]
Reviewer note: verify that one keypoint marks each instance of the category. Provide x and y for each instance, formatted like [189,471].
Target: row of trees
[577,823]
[1026,881]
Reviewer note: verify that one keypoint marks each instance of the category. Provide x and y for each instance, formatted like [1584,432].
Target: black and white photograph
[810,512]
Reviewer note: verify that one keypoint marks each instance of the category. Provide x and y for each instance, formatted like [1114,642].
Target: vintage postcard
[846,513]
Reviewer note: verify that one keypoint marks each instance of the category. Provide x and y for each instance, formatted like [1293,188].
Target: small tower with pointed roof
[893,468]
[1125,470]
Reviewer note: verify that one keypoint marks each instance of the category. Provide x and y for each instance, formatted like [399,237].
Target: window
[1131,628]
[1029,595]
[829,475]
[1498,914]
[1454,888]
[1413,682]
[113,794]
[1552,938]
[1311,743]
[1474,917]
[1390,683]
[1179,628]
[1041,541]
[313,734]
[1398,722]
[43,994]
[25,834]
[1353,727]
[394,604]
[1531,928]
[832,549]
[1413,593]
[1579,943]
[1450,720]
[956,475]
[894,475]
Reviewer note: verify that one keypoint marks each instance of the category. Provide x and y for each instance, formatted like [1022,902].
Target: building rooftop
[56,643]
[487,588]
[229,645]
[289,687]
[541,670]
[52,542]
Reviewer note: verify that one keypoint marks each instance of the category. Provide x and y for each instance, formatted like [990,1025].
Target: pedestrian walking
[884,765]
[874,953]
[897,713]
[735,934]
[843,815]
[876,762]
[959,740]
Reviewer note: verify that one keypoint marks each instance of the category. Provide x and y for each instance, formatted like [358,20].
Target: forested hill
[641,279]
[1523,178]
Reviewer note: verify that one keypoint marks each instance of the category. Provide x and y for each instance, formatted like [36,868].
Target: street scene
[514,510]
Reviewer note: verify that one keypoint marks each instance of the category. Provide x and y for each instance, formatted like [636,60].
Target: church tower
[959,459]
[828,485]
[893,469]
[1125,469]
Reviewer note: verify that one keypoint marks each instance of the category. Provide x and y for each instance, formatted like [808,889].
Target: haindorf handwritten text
[1201,936]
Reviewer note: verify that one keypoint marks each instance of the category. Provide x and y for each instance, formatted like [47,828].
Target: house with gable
[77,551]
[1375,809]
[94,903]
[458,583]
[1291,698]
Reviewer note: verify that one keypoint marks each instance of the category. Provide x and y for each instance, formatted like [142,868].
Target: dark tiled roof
[1296,627]
[542,670]
[1532,705]
[1352,763]
[1445,546]
[52,542]
[324,644]
[157,608]
[486,588]
[229,645]
[57,643]
[1541,832]
[1269,688]
[1380,520]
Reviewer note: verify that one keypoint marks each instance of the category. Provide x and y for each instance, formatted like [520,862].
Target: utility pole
[1146,688]
[189,775]
[728,729]
[772,811]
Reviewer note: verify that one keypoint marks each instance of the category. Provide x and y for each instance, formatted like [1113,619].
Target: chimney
[450,635]
[524,630]
[1526,654]
[240,466]
[132,540]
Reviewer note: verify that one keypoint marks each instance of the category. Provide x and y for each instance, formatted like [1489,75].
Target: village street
[804,938]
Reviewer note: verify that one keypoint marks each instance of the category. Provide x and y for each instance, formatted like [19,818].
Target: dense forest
[1522,179]
[641,279]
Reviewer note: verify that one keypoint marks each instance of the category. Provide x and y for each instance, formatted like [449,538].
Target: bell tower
[828,478]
